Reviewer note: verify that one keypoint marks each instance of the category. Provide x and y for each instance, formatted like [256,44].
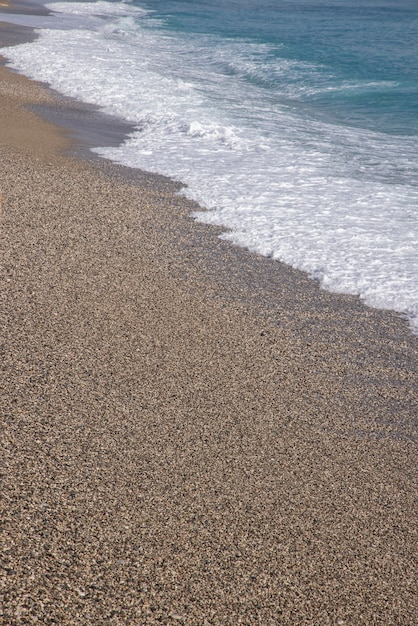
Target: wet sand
[191,434]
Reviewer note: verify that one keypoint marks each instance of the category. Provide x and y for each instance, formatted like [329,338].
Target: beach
[191,434]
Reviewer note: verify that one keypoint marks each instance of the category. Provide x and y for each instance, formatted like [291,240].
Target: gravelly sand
[191,434]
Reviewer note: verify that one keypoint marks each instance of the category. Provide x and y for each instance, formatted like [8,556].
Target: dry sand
[191,434]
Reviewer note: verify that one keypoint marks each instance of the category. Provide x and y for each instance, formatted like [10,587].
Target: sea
[293,123]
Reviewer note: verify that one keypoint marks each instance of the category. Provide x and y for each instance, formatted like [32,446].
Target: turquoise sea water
[294,122]
[360,58]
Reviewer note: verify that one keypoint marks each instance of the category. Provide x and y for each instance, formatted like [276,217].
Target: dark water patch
[85,124]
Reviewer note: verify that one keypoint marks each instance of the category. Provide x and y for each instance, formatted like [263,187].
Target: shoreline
[88,127]
[192,433]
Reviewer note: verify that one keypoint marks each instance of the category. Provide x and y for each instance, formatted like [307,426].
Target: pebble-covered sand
[190,434]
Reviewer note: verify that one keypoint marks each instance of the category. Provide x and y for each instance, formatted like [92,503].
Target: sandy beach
[191,434]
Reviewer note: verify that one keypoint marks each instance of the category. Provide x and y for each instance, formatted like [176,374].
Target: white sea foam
[98,8]
[338,202]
